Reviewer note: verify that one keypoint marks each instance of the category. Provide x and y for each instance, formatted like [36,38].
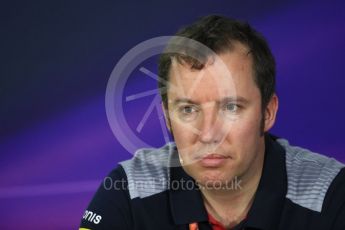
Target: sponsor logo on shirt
[92,217]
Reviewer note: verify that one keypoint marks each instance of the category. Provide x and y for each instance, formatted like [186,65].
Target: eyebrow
[236,99]
[223,100]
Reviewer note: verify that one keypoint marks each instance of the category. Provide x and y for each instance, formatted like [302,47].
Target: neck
[231,206]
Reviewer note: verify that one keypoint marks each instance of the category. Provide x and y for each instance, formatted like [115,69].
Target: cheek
[248,128]
[183,136]
[245,133]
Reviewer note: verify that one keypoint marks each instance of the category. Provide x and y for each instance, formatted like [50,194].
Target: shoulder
[148,171]
[110,206]
[310,175]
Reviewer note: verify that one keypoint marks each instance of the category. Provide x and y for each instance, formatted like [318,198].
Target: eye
[231,107]
[187,112]
[188,109]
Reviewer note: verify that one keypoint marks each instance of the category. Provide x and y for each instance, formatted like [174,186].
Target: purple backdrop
[57,56]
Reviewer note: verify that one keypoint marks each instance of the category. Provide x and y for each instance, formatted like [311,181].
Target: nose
[211,127]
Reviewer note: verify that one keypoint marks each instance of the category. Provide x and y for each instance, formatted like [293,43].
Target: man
[219,105]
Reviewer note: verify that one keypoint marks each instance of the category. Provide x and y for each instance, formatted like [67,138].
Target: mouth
[213,160]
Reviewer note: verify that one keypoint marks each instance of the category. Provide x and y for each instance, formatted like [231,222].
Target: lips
[213,160]
[214,156]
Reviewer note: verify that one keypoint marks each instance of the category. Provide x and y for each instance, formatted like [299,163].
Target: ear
[271,112]
[166,116]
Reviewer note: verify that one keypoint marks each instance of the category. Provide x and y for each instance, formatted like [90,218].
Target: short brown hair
[218,33]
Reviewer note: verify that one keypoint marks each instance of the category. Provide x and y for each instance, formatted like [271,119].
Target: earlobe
[271,112]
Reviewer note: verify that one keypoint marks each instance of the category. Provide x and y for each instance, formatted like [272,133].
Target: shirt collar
[185,199]
[270,196]
[187,205]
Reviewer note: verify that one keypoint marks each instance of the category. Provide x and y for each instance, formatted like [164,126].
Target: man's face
[215,116]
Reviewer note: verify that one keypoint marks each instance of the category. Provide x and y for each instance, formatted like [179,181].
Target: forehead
[227,74]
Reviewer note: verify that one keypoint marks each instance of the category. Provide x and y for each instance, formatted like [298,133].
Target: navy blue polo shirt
[298,189]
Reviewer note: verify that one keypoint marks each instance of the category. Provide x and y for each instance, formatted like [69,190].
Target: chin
[214,177]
